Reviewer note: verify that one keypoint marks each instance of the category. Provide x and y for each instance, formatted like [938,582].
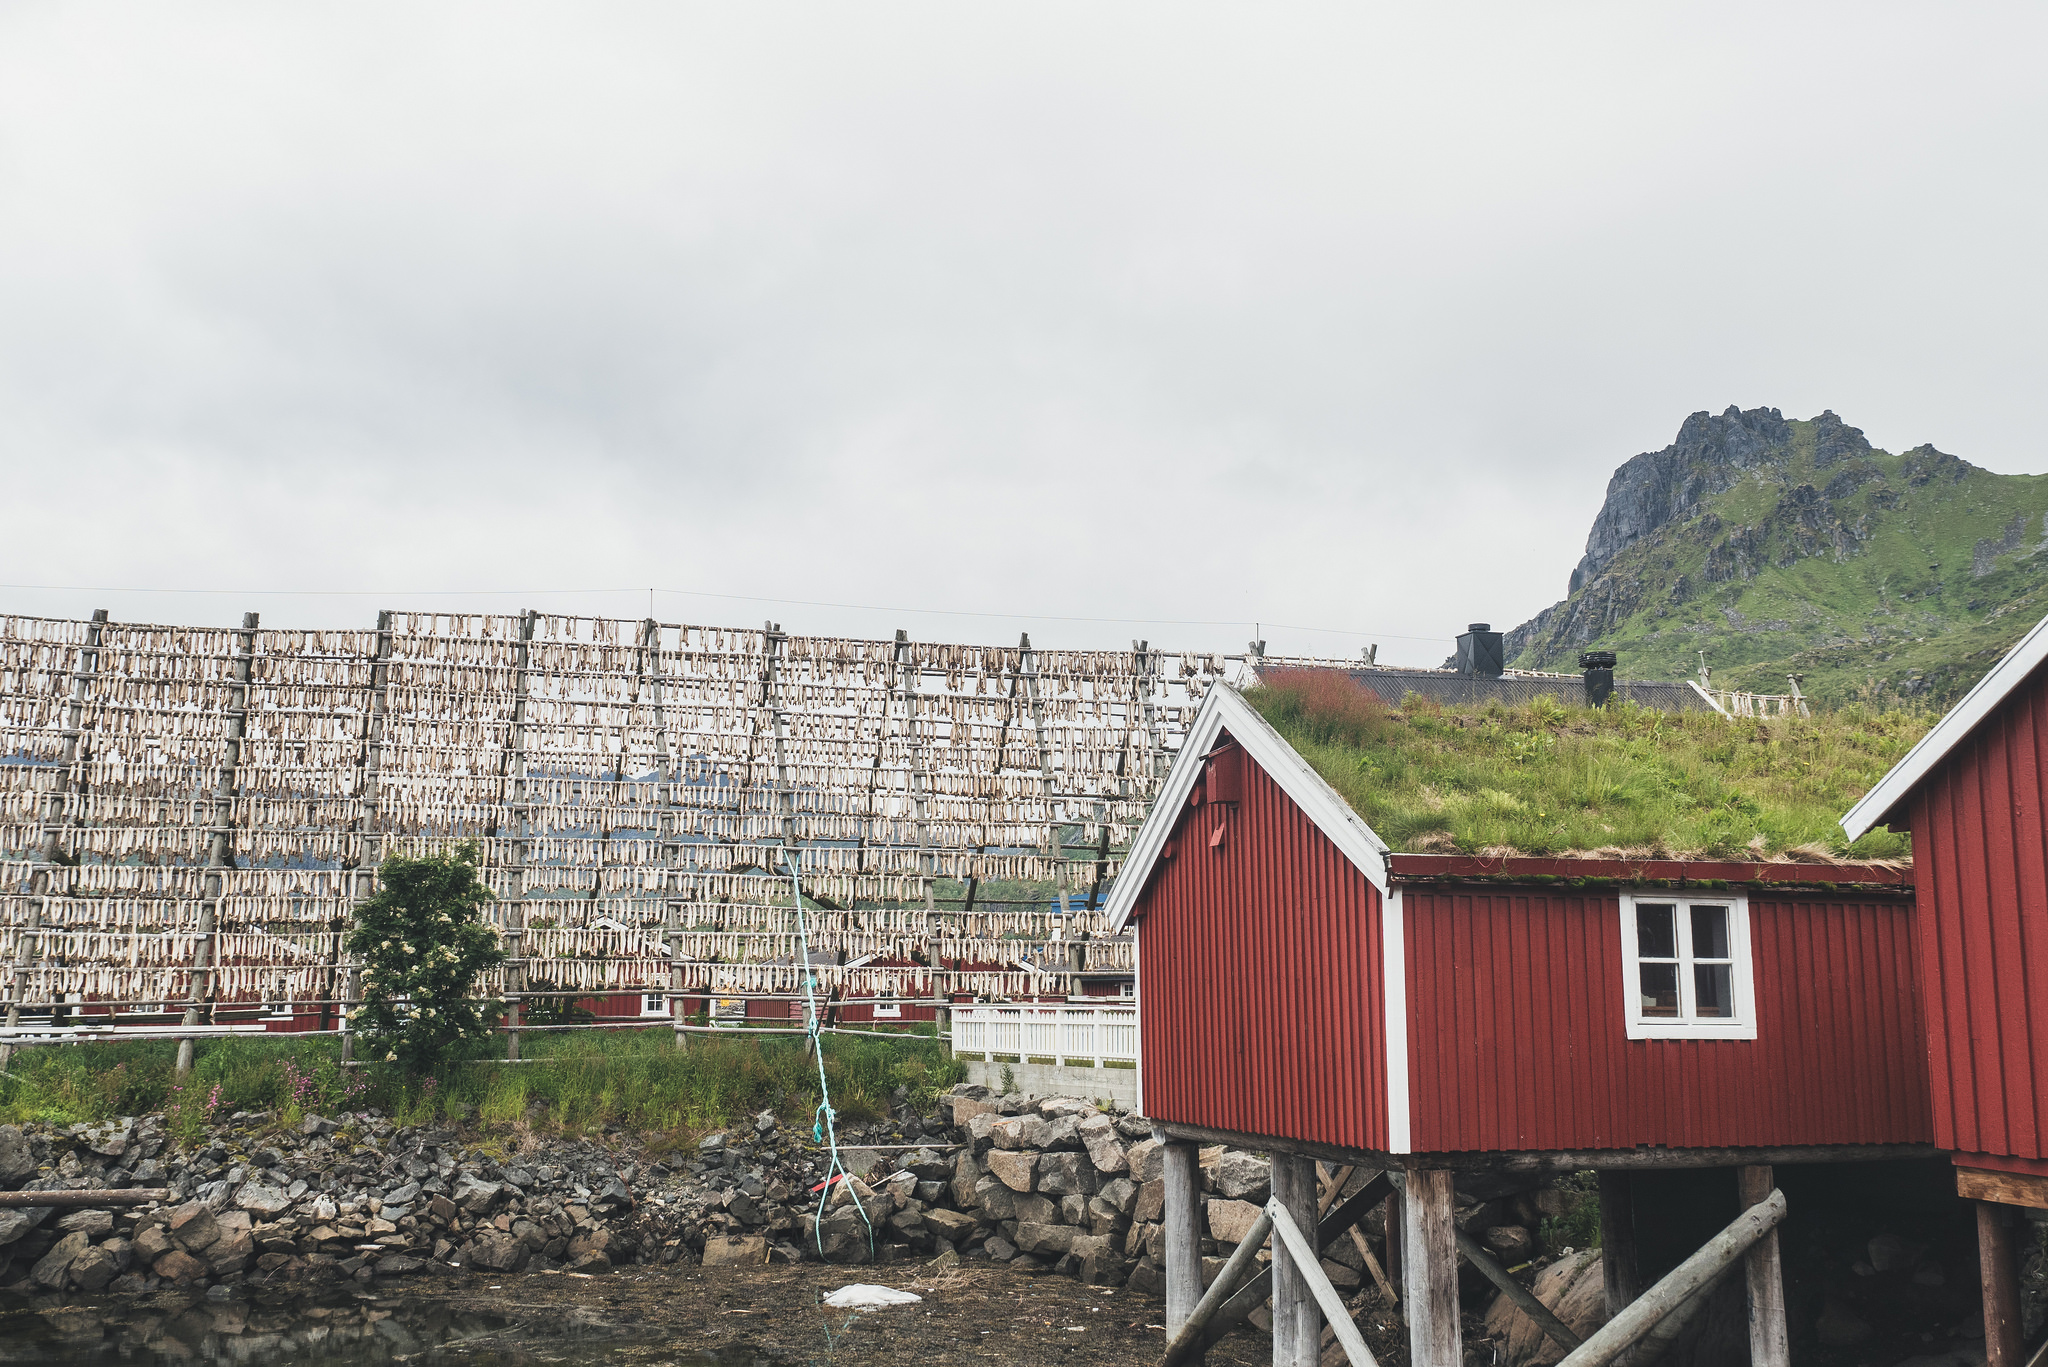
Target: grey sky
[1336,317]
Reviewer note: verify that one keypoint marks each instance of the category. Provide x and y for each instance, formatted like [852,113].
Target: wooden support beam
[1999,1272]
[1769,1345]
[343,980]
[1188,1340]
[1179,1167]
[515,774]
[2009,1188]
[1297,1328]
[1429,1262]
[1489,1266]
[1253,1293]
[1539,1163]
[1619,1274]
[1291,1246]
[1683,1282]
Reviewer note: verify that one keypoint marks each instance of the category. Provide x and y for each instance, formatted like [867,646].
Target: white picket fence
[1068,1035]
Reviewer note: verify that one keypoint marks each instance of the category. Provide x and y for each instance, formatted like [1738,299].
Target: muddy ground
[776,1313]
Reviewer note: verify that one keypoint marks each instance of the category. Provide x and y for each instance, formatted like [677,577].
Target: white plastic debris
[861,1296]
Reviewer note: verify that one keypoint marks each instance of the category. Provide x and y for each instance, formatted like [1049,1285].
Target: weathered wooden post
[1297,1325]
[1430,1269]
[1619,1274]
[1769,1345]
[1178,1167]
[1998,1268]
[220,838]
[1429,1266]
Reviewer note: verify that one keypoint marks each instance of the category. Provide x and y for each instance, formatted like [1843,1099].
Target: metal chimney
[1479,652]
[1599,667]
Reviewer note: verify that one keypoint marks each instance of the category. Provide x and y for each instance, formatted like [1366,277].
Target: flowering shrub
[423,945]
[189,1110]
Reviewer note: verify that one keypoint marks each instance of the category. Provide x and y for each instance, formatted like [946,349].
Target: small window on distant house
[654,1003]
[887,1007]
[1686,969]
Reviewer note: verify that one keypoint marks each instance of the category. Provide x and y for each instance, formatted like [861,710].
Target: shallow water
[333,1330]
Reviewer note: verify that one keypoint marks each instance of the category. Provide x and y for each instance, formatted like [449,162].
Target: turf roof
[1552,778]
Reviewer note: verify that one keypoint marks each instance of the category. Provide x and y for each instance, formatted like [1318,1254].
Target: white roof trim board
[1224,710]
[1950,731]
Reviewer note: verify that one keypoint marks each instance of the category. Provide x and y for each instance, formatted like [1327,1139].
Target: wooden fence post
[1297,1324]
[342,981]
[515,912]
[1178,1167]
[1769,1345]
[219,844]
[1620,1275]
[1429,1264]
[1998,1269]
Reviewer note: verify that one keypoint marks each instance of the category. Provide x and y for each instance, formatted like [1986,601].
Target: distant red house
[1305,990]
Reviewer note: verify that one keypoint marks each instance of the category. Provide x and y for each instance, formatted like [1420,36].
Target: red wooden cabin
[1304,990]
[1972,792]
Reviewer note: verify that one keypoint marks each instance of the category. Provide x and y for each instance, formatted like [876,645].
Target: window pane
[1656,938]
[1710,932]
[1712,990]
[1660,989]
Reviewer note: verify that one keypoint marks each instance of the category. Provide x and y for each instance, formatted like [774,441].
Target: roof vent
[1479,652]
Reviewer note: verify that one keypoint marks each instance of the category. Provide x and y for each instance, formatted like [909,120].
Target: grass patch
[1552,778]
[633,1078]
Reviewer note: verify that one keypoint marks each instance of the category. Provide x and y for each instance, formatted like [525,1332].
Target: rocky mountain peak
[1711,453]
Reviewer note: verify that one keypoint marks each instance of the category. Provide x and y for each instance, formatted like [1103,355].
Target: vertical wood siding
[1261,993]
[1518,1038]
[1980,870]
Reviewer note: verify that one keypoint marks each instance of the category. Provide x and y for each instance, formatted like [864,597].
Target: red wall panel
[1518,1039]
[1980,858]
[1261,991]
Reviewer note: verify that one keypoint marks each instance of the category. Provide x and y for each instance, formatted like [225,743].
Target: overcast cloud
[1326,317]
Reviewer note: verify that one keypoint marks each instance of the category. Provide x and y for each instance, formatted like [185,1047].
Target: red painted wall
[1518,1038]
[1980,868]
[1260,984]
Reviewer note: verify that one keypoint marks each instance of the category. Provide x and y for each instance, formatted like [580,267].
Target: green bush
[424,944]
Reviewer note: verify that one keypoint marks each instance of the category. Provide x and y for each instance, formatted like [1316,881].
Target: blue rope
[823,1130]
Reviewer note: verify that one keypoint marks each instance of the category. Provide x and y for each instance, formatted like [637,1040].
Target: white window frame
[1742,970]
[654,1004]
[887,1005]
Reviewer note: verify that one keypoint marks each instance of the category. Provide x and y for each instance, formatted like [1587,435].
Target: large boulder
[1015,1170]
[193,1226]
[966,1175]
[1105,1148]
[1146,1160]
[498,1251]
[1243,1177]
[54,1268]
[474,1194]
[1020,1132]
[262,1200]
[1572,1288]
[1230,1221]
[14,1223]
[748,1249]
[1050,1241]
[94,1268]
[16,1162]
[1066,1174]
[949,1225]
[179,1266]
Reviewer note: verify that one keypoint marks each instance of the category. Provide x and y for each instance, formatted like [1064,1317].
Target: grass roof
[1553,778]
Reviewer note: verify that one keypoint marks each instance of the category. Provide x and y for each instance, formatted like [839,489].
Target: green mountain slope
[1779,547]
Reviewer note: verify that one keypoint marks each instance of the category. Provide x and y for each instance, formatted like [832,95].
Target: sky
[1095,321]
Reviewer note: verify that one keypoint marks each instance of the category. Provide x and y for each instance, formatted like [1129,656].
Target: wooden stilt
[1769,1345]
[1394,1220]
[1429,1264]
[1998,1267]
[220,842]
[1297,1325]
[514,909]
[1622,1279]
[1183,1233]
